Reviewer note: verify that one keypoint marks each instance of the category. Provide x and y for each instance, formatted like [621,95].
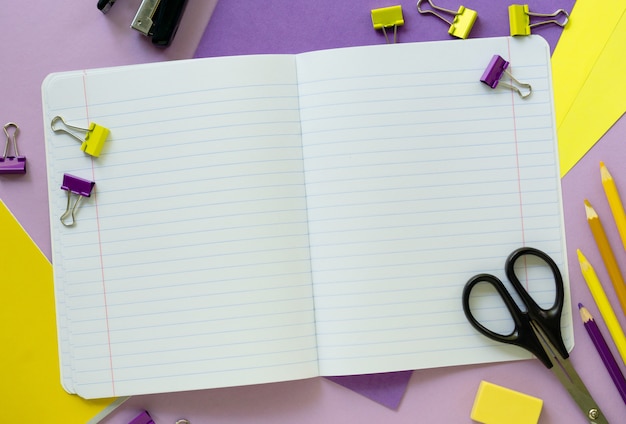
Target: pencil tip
[585,314]
[604,172]
[580,305]
[582,260]
[589,210]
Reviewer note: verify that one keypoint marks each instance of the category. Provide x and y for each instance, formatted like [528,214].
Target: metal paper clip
[462,23]
[12,164]
[388,17]
[159,19]
[81,188]
[94,137]
[493,75]
[519,19]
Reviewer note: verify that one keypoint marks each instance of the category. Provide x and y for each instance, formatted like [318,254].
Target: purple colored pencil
[603,350]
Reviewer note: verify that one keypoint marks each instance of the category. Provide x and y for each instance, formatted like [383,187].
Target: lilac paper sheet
[386,388]
[287,26]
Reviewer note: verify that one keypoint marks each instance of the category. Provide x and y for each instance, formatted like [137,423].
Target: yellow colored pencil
[607,254]
[599,296]
[612,196]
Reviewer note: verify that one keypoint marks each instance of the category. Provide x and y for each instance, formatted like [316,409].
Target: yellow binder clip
[462,23]
[94,137]
[388,17]
[519,19]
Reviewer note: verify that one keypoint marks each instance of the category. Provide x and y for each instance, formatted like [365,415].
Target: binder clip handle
[12,164]
[522,88]
[93,139]
[81,188]
[555,21]
[57,118]
[441,9]
[11,138]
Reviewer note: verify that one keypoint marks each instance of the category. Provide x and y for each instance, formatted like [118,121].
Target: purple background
[295,26]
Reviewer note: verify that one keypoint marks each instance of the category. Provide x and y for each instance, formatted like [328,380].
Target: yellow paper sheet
[587,69]
[30,391]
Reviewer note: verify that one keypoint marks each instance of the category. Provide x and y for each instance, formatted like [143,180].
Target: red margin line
[104,291]
[517,164]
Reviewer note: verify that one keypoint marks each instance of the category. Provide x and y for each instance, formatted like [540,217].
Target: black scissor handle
[522,334]
[510,304]
[549,320]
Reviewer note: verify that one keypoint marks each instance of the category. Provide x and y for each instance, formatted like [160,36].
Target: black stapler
[157,19]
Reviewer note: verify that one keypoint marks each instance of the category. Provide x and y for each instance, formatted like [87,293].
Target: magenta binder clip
[493,76]
[143,418]
[81,188]
[12,164]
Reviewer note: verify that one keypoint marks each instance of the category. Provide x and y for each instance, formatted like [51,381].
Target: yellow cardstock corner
[31,390]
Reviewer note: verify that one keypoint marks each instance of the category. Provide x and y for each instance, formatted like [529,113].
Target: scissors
[537,330]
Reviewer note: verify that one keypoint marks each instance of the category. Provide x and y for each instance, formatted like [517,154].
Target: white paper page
[189,265]
[418,177]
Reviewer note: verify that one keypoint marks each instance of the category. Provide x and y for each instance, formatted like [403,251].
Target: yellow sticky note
[31,390]
[586,68]
[498,405]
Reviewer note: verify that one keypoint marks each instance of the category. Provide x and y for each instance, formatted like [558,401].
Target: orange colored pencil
[607,254]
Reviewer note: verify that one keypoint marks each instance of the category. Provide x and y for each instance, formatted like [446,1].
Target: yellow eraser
[498,405]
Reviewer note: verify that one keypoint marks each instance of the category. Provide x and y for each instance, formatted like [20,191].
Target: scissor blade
[569,378]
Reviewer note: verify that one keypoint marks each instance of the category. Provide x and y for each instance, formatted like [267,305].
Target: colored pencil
[607,254]
[603,350]
[595,287]
[615,202]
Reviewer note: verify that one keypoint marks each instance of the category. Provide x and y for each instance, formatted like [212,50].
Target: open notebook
[278,217]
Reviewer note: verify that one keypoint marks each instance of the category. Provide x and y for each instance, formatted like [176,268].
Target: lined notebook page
[269,218]
[418,177]
[189,266]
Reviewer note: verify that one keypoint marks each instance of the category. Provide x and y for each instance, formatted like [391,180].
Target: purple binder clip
[143,418]
[493,76]
[12,164]
[81,188]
